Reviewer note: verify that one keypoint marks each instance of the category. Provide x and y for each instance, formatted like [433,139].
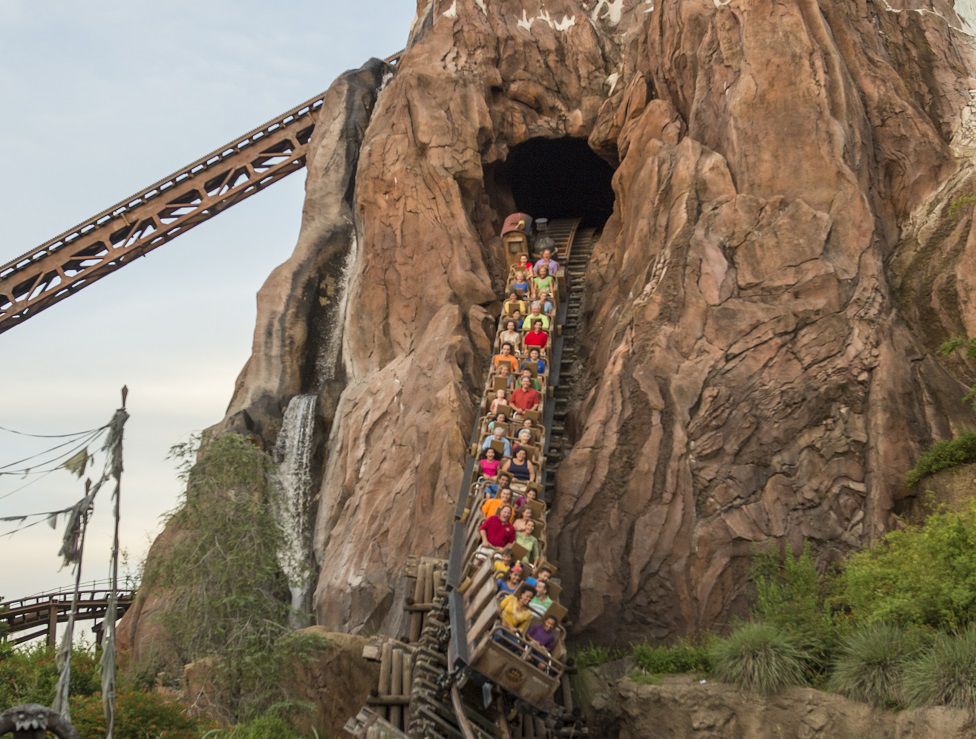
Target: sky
[101,99]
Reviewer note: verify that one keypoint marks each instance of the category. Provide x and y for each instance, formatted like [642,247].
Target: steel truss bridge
[111,239]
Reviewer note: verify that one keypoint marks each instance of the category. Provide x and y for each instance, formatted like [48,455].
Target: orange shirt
[490,507]
[508,359]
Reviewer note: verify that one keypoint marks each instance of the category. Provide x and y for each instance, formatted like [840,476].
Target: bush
[870,666]
[758,657]
[945,673]
[137,715]
[924,575]
[30,675]
[592,655]
[225,594]
[942,456]
[677,658]
[790,596]
[265,726]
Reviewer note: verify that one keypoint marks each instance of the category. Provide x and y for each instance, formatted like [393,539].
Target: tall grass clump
[945,673]
[790,595]
[758,657]
[871,662]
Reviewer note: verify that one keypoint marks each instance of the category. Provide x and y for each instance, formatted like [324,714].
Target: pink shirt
[489,467]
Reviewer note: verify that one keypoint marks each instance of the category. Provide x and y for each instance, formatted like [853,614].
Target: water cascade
[293,453]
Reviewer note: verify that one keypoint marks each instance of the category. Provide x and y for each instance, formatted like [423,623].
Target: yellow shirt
[501,569]
[514,614]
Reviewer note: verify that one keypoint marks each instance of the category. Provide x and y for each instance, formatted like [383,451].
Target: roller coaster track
[157,214]
[434,698]
[25,619]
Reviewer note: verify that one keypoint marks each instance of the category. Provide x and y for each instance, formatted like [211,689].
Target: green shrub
[945,673]
[645,678]
[942,456]
[790,595]
[924,575]
[758,657]
[871,661]
[677,658]
[30,675]
[137,715]
[265,726]
[592,655]
[225,595]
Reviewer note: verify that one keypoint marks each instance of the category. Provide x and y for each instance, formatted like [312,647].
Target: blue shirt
[508,447]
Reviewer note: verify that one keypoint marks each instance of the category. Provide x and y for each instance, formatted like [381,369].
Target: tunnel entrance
[558,178]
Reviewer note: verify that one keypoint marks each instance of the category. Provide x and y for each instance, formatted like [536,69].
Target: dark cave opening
[558,178]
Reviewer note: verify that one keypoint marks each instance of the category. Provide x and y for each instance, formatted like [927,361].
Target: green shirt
[527,321]
[530,544]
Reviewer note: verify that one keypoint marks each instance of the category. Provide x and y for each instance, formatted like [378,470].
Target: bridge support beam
[52,625]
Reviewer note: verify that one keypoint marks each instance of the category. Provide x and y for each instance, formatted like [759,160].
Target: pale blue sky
[100,99]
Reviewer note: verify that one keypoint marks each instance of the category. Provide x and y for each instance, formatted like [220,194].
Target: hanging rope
[61,704]
[113,443]
[48,436]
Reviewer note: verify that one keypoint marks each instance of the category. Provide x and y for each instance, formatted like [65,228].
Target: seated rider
[506,357]
[524,265]
[508,584]
[496,531]
[550,264]
[533,381]
[492,488]
[526,539]
[513,304]
[521,284]
[548,303]
[541,601]
[510,334]
[514,610]
[498,401]
[492,505]
[534,315]
[544,634]
[535,360]
[520,467]
[489,464]
[526,397]
[502,564]
[536,338]
[498,434]
[542,283]
[523,517]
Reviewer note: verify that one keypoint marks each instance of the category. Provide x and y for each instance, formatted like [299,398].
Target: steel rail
[157,214]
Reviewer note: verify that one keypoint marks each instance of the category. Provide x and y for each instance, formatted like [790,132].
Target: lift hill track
[133,227]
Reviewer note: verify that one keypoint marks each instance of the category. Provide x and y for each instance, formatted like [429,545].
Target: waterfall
[330,340]
[293,453]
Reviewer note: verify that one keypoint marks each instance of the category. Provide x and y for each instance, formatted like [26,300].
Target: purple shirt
[552,265]
[538,633]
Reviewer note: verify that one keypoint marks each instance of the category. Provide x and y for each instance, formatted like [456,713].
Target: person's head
[507,556]
[525,436]
[505,512]
[505,495]
[516,315]
[531,494]
[500,395]
[509,325]
[526,382]
[536,306]
[507,348]
[498,431]
[513,296]
[549,624]
[527,373]
[523,259]
[536,325]
[544,574]
[527,423]
[541,588]
[529,526]
[504,479]
[489,454]
[514,576]
[543,270]
[504,369]
[534,355]
[547,254]
[520,456]
[520,275]
[525,514]
[524,596]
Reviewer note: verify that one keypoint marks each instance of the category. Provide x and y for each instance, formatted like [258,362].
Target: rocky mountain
[791,238]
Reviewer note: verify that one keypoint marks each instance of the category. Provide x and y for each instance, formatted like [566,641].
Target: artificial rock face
[762,307]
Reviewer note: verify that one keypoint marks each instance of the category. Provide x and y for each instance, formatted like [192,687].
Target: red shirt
[498,534]
[537,338]
[525,399]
